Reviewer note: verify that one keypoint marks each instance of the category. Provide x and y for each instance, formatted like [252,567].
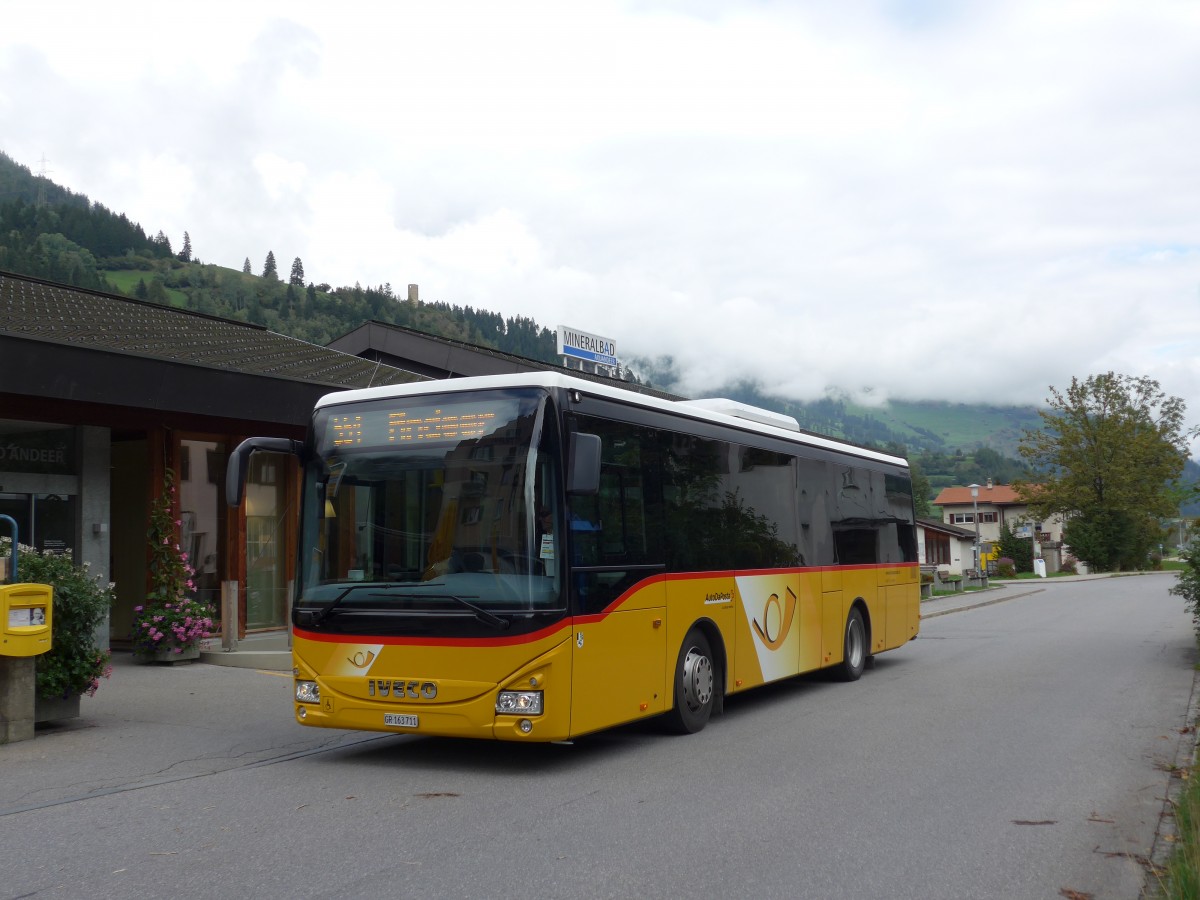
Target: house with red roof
[989,507]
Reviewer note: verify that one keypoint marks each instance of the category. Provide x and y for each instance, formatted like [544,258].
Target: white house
[989,507]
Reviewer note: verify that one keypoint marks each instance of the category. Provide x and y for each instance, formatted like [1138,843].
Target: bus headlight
[307,692]
[519,703]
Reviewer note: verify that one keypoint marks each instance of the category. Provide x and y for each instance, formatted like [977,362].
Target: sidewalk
[998,591]
[151,724]
[271,651]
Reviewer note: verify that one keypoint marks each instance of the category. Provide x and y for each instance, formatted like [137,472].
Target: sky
[887,199]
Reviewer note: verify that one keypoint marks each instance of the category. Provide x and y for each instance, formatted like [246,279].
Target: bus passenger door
[618,673]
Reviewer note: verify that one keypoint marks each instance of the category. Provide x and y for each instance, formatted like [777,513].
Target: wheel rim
[697,679]
[855,643]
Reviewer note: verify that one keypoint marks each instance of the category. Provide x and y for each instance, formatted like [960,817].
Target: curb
[1165,835]
[982,603]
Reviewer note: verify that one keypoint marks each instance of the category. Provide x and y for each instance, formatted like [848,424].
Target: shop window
[44,521]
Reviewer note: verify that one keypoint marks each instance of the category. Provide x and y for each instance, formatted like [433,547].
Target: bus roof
[720,411]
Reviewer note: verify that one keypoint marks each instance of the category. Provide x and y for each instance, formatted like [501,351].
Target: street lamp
[975,516]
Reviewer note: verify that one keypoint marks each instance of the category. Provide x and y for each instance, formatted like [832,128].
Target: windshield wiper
[322,614]
[485,616]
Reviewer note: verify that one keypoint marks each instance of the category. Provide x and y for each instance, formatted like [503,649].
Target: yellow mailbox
[26,611]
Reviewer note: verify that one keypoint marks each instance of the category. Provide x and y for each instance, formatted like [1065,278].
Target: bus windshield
[432,514]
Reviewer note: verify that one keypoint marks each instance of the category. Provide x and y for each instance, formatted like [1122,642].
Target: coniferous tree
[156,292]
[1019,550]
[185,254]
[246,267]
[297,277]
[269,270]
[922,492]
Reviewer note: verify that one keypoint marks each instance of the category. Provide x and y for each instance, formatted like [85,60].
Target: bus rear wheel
[854,655]
[695,685]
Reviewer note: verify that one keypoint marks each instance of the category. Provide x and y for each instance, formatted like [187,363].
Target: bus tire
[854,649]
[695,684]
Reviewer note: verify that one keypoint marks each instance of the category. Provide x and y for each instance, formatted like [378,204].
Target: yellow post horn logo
[777,621]
[361,660]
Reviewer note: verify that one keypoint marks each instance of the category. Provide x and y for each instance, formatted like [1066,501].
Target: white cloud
[922,199]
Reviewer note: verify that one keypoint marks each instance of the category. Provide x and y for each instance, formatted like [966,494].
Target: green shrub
[1188,585]
[74,664]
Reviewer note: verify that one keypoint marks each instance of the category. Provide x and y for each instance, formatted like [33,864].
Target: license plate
[399,720]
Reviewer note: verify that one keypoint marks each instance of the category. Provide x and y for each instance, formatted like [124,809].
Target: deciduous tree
[1110,448]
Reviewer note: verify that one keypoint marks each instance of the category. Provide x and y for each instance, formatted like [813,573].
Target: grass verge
[1181,881]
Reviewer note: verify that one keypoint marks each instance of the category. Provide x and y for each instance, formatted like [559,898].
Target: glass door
[268,540]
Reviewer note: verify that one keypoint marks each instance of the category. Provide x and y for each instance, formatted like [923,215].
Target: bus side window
[612,514]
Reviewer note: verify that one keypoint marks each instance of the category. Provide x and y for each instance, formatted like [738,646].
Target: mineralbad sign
[592,347]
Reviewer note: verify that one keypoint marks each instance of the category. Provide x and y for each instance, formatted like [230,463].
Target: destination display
[445,423]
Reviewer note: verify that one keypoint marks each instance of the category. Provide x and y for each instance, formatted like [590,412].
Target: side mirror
[239,462]
[583,466]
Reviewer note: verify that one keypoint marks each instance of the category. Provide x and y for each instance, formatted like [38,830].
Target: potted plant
[74,664]
[170,625]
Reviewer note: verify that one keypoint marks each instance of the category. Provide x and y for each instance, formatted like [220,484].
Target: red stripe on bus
[588,619]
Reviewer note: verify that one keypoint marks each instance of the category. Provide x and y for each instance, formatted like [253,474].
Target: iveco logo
[400,689]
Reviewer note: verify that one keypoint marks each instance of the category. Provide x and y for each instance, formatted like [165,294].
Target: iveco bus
[535,557]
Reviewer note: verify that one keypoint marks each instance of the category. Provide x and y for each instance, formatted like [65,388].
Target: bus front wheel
[695,684]
[854,656]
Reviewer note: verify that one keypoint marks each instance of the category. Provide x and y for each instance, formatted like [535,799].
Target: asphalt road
[1018,749]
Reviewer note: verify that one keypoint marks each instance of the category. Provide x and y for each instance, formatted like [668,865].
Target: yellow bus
[536,557]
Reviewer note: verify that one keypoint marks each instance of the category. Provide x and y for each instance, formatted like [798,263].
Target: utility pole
[975,516]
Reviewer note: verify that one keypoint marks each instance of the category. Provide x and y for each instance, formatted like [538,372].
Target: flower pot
[55,708]
[168,656]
